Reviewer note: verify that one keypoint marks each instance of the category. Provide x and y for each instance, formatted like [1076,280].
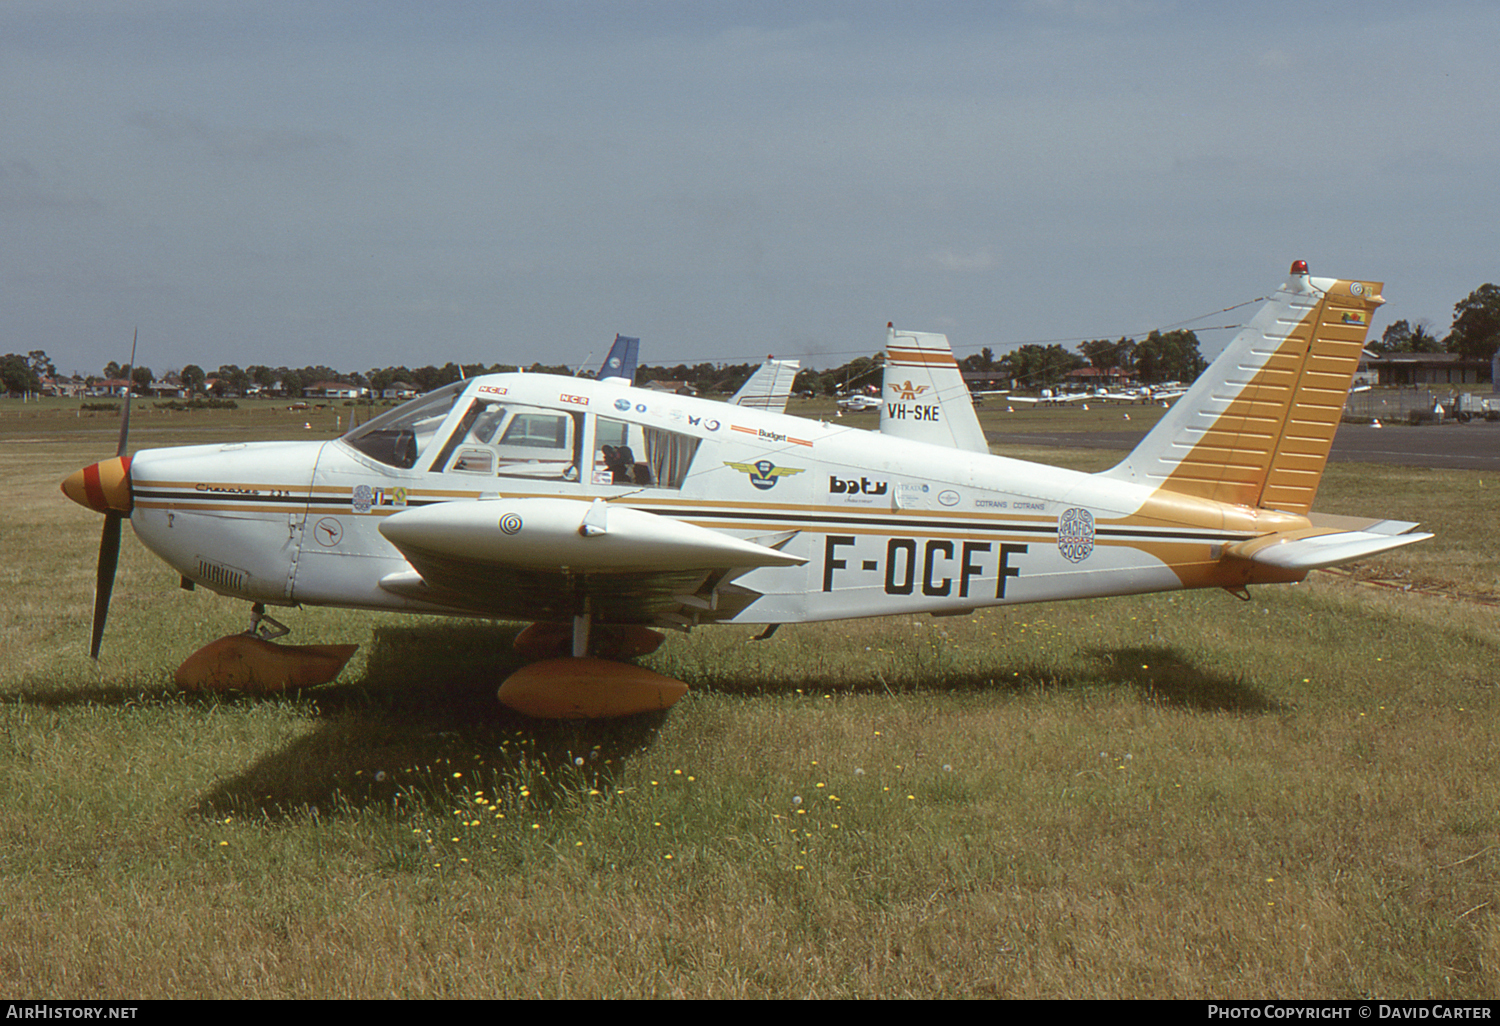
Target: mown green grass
[1163,796]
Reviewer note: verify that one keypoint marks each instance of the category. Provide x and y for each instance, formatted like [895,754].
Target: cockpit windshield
[400,437]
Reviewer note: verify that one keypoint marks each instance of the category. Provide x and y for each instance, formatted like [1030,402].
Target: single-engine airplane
[600,511]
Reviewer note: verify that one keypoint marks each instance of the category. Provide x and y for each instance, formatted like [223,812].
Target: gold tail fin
[1256,428]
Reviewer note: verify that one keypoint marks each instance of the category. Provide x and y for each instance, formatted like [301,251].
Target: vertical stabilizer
[769,387]
[925,398]
[622,358]
[1256,427]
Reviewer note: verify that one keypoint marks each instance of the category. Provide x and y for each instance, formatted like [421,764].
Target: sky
[374,183]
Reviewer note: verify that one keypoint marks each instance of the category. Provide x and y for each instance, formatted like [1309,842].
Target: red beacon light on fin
[1299,266]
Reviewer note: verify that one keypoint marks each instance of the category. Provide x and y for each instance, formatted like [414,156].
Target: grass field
[1166,796]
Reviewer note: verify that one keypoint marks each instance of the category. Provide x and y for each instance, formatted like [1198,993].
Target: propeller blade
[104,584]
[129,390]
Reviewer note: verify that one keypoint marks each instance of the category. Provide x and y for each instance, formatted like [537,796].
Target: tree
[1033,366]
[17,374]
[1104,355]
[1401,337]
[979,362]
[231,379]
[40,364]
[193,377]
[140,379]
[1170,357]
[1476,324]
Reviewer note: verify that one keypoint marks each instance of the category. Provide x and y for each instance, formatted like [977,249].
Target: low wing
[539,558]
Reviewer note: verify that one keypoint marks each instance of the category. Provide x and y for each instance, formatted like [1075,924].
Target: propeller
[105,488]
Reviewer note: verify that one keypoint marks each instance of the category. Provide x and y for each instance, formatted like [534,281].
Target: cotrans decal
[940,567]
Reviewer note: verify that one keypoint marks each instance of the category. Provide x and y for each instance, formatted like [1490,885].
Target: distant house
[169,386]
[399,390]
[1094,378]
[69,387]
[116,387]
[332,390]
[1423,369]
[674,387]
[986,381]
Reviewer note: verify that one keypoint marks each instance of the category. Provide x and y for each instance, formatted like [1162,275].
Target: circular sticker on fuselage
[328,531]
[1075,534]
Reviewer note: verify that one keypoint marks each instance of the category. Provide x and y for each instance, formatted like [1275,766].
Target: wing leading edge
[538,557]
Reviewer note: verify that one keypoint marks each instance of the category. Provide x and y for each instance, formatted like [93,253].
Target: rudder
[1256,428]
[925,397]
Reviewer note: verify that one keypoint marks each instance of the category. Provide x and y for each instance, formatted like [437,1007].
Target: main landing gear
[570,683]
[253,662]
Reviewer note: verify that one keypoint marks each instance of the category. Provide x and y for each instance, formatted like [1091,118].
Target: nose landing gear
[253,662]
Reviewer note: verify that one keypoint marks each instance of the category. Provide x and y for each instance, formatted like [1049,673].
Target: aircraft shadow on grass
[422,723]
[1161,674]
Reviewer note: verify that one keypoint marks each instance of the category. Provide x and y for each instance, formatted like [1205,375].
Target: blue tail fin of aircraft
[622,359]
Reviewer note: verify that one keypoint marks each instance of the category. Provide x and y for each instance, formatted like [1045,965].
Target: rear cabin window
[631,454]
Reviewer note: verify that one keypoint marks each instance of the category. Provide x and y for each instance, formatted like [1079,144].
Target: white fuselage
[880,525]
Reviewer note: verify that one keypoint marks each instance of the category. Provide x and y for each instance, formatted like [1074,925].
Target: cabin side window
[630,454]
[511,440]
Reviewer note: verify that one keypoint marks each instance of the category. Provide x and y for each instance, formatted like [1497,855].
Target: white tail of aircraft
[769,387]
[924,396]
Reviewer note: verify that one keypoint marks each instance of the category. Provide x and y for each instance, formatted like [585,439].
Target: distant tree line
[1160,356]
[1475,333]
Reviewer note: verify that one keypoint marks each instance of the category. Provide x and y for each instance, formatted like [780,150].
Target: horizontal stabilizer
[1307,550]
[1374,525]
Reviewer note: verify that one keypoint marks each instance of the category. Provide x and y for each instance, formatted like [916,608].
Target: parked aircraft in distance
[602,512]
[859,403]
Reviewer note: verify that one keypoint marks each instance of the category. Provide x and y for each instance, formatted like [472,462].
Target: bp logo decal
[1075,534]
[763,473]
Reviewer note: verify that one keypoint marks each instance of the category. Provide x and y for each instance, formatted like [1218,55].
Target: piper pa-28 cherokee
[599,510]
